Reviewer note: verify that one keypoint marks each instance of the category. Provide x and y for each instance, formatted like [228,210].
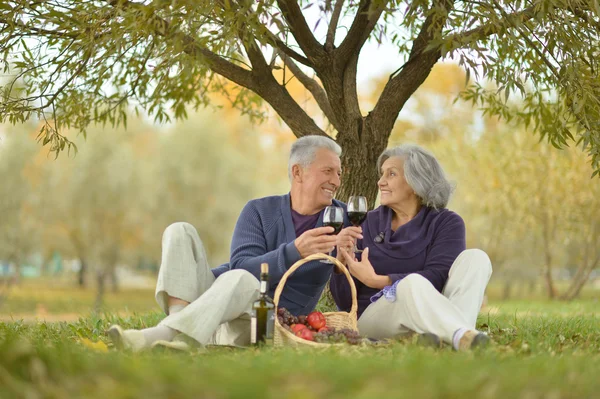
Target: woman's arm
[364,271]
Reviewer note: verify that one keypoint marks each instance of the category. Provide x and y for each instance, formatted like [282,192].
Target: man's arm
[249,247]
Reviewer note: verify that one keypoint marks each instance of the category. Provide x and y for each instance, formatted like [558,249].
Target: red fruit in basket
[306,334]
[298,327]
[323,329]
[316,320]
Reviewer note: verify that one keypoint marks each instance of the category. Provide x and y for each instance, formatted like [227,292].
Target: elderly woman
[415,274]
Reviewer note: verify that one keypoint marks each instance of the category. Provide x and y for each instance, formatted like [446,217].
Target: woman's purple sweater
[426,245]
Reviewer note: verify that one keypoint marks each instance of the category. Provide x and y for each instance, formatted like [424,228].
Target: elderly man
[212,306]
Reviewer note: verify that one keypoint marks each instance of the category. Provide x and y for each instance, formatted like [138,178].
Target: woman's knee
[411,283]
[477,257]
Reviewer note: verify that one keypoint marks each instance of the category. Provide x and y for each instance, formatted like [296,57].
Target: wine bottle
[262,323]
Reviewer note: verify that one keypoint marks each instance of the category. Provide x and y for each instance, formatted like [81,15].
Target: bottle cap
[264,268]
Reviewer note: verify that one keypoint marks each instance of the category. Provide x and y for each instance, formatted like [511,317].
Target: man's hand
[347,240]
[364,271]
[316,241]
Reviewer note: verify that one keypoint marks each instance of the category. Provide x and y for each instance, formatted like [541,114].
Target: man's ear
[297,173]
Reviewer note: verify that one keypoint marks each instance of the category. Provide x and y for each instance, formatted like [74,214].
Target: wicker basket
[283,337]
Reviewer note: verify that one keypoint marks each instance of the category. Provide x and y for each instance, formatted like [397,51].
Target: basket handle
[309,258]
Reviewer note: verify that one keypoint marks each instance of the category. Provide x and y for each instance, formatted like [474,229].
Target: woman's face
[394,190]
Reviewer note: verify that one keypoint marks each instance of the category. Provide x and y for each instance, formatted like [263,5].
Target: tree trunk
[580,280]
[5,284]
[548,269]
[507,289]
[114,280]
[101,287]
[549,282]
[45,270]
[82,272]
[362,147]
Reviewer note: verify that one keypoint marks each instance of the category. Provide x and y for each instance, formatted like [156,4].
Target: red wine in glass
[357,212]
[337,226]
[333,216]
[356,218]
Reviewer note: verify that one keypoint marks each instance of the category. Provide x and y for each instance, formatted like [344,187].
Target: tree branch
[256,57]
[578,12]
[271,91]
[275,40]
[484,31]
[314,88]
[335,17]
[300,30]
[263,84]
[288,51]
[362,26]
[38,31]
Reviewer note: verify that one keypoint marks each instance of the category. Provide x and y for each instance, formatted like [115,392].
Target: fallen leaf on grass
[97,346]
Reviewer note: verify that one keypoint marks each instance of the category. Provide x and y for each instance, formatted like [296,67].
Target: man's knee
[238,277]
[179,231]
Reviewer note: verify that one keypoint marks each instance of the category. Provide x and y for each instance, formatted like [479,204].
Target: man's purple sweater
[265,232]
[426,245]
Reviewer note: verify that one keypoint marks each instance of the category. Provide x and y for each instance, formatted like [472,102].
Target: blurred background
[82,233]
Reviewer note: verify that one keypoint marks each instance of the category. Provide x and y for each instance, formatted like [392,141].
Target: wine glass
[333,216]
[357,212]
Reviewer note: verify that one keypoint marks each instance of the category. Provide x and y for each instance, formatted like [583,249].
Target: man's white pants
[419,307]
[220,309]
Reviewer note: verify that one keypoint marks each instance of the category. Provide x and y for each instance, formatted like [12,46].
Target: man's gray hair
[304,150]
[423,173]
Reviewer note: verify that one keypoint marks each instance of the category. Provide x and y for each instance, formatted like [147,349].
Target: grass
[541,350]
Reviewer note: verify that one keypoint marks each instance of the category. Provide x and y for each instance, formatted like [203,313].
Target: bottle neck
[264,283]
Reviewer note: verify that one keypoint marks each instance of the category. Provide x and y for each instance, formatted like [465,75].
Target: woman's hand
[347,239]
[363,270]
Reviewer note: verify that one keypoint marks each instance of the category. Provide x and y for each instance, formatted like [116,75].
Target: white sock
[162,332]
[158,333]
[458,334]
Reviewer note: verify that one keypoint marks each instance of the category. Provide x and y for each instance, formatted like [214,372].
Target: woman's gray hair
[423,173]
[304,150]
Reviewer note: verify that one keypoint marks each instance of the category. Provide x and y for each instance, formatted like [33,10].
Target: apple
[316,320]
[298,327]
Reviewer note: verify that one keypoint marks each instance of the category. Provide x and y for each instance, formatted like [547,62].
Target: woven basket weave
[338,320]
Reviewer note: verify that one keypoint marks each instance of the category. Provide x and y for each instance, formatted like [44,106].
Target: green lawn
[541,350]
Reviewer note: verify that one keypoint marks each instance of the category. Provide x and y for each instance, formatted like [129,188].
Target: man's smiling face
[321,179]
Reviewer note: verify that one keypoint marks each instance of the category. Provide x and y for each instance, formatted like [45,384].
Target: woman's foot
[469,339]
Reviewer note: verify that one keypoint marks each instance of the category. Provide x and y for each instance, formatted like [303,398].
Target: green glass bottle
[263,312]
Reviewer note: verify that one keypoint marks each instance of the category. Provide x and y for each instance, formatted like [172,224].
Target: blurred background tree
[109,205]
[18,235]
